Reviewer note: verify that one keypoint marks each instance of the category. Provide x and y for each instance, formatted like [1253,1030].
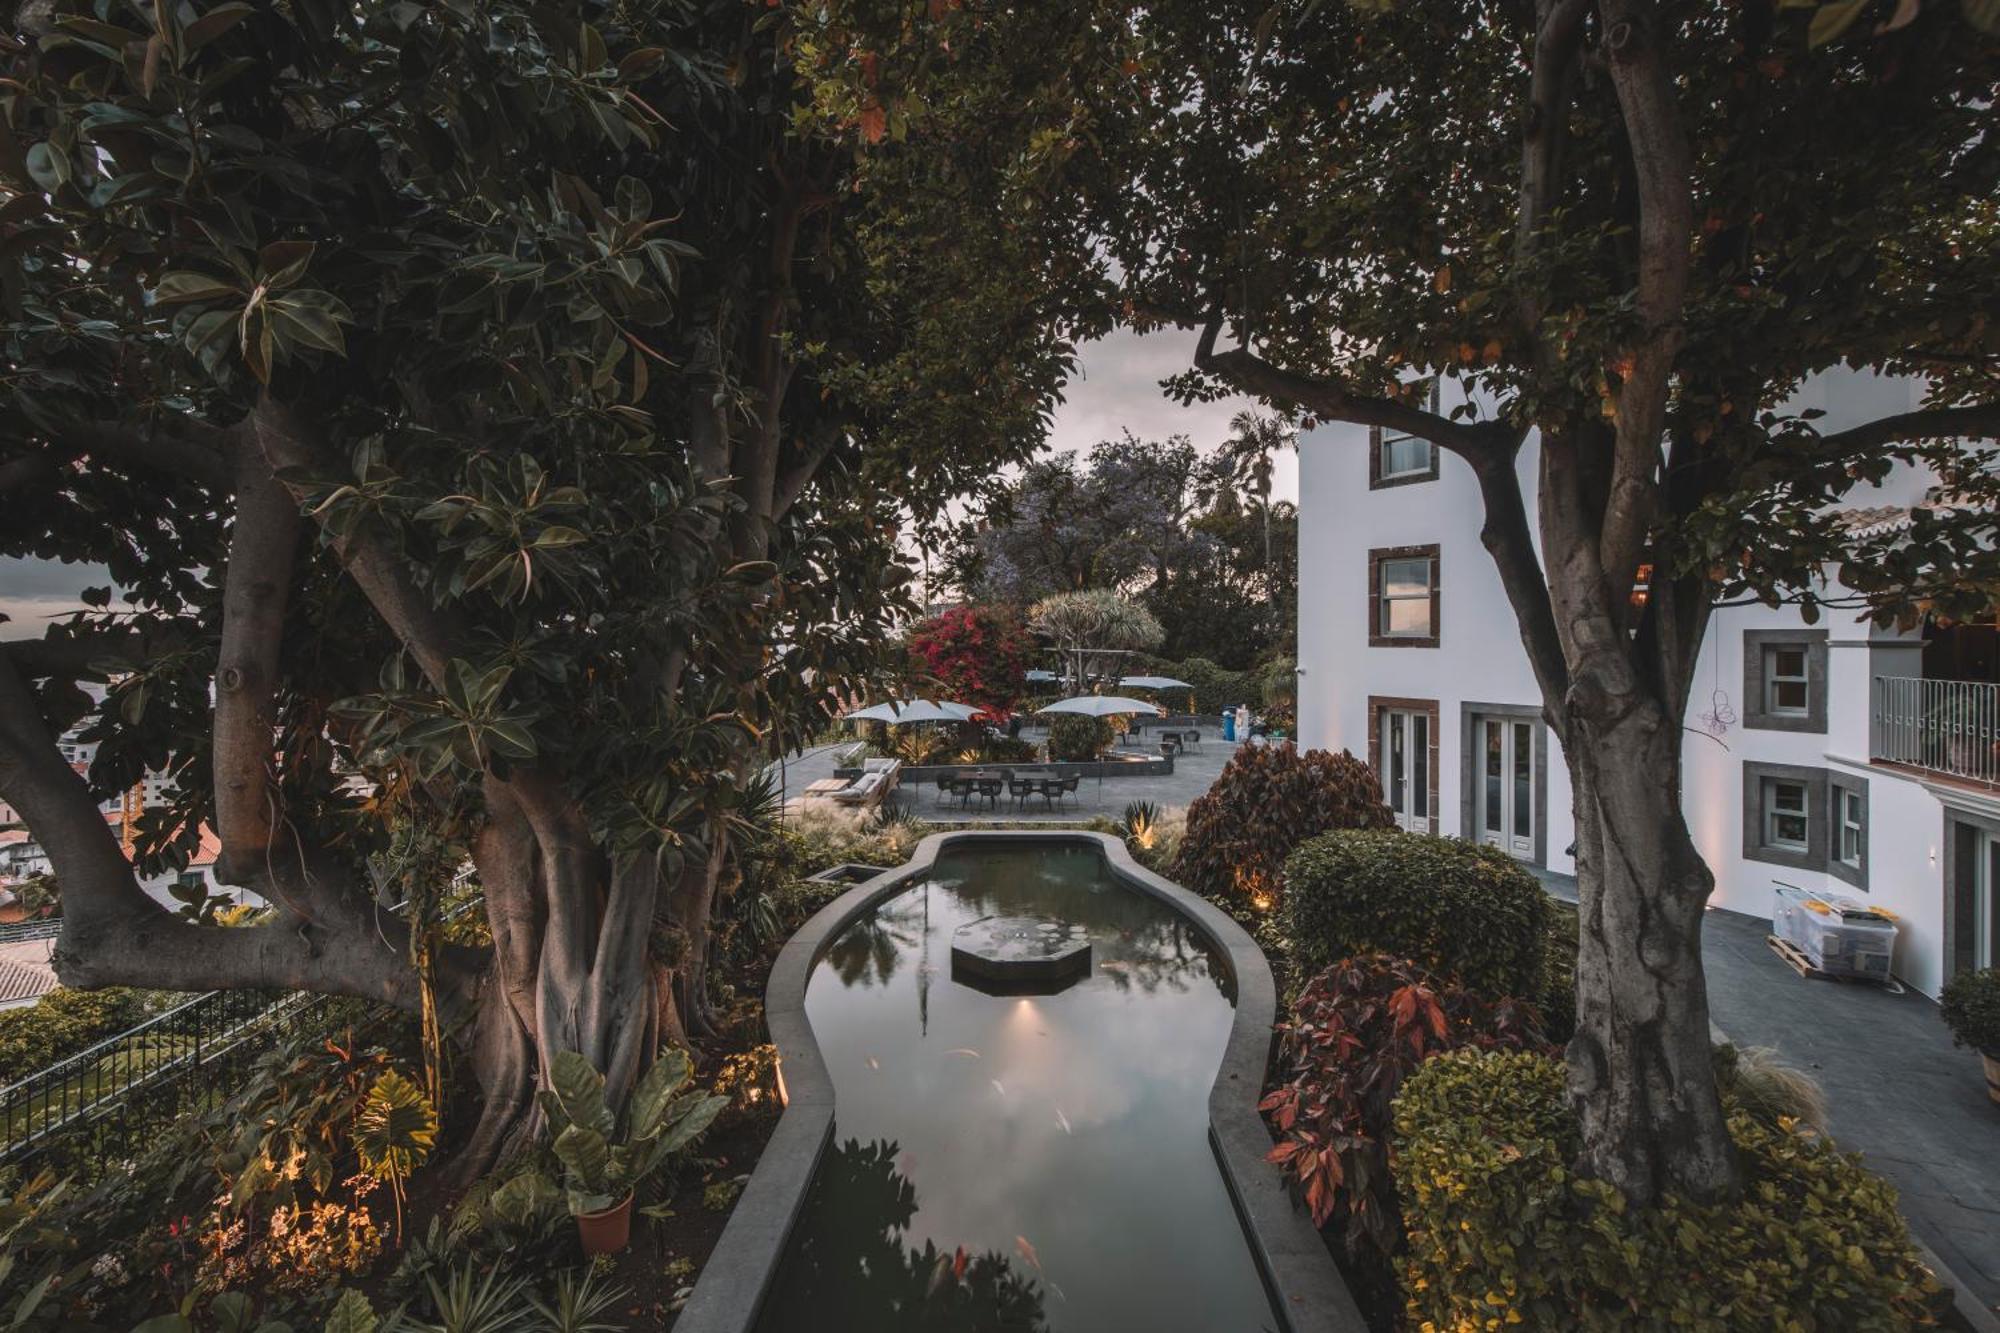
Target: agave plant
[580,1303]
[601,1165]
[1141,823]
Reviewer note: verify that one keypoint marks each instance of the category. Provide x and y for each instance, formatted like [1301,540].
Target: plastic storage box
[1840,936]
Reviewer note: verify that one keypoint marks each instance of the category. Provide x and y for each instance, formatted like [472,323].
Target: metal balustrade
[98,1103]
[13,932]
[1948,727]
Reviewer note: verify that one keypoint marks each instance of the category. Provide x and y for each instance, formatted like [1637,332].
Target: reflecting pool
[1029,1162]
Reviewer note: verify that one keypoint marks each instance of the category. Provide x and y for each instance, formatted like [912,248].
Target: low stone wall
[1137,766]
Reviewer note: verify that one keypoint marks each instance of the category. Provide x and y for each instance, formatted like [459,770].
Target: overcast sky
[1118,389]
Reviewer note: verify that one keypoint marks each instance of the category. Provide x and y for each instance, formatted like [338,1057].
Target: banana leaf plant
[600,1164]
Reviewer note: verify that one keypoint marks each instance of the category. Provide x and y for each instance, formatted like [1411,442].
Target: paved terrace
[1194,771]
[1897,1091]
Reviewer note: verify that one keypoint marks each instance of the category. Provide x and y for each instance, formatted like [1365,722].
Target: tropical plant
[604,1155]
[471,397]
[469,1301]
[580,1303]
[1970,1007]
[39,895]
[1092,628]
[1266,801]
[394,1132]
[1356,1031]
[1140,824]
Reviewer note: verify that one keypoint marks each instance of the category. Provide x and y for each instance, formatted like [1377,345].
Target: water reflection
[848,1255]
[1062,1137]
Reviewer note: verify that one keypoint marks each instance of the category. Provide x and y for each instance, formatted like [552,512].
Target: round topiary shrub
[1267,800]
[1458,908]
[1970,1007]
[1076,738]
[1504,1233]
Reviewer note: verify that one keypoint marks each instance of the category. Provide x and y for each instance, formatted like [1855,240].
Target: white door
[1507,785]
[1405,767]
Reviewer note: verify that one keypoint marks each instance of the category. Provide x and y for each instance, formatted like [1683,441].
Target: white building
[1833,757]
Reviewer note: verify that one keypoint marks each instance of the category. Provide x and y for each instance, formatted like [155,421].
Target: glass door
[1985,888]
[1507,785]
[1405,767]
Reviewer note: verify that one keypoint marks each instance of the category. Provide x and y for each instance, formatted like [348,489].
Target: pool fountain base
[1019,955]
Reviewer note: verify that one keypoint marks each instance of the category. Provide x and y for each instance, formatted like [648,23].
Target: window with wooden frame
[1403,597]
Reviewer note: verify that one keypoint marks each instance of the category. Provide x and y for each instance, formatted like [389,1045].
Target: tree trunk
[1641,1076]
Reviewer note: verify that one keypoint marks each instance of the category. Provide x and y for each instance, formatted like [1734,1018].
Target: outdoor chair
[1191,740]
[1052,790]
[1020,789]
[1070,784]
[989,788]
[1170,744]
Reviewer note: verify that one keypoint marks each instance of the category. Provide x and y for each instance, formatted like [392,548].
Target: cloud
[1117,388]
[32,591]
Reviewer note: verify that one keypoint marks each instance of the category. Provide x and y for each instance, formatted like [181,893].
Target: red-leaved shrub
[1267,800]
[1356,1032]
[979,654]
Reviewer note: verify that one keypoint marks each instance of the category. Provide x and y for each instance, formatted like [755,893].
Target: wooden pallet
[1795,958]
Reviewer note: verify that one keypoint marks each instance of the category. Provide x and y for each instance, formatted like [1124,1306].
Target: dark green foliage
[1458,908]
[1503,1232]
[1216,688]
[1356,1032]
[63,1023]
[1970,1006]
[1266,801]
[1557,996]
[1074,737]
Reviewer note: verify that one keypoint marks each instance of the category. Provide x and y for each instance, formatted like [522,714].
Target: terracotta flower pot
[607,1231]
[1992,1063]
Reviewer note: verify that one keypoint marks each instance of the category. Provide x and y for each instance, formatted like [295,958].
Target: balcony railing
[1948,727]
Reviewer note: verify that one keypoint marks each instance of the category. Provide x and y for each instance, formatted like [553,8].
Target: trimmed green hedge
[62,1023]
[1504,1233]
[1458,908]
[1077,738]
[1557,996]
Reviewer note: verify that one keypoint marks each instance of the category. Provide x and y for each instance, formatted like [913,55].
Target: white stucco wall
[1480,658]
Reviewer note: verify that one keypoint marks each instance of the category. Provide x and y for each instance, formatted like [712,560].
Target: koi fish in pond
[873,1063]
[1028,1252]
[1063,1120]
[963,1050]
[996,1086]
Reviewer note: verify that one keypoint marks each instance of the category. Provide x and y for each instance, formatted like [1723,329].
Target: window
[1396,459]
[1403,597]
[1784,680]
[1786,690]
[1787,826]
[1852,815]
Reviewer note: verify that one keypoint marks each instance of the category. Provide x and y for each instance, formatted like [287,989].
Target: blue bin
[1228,725]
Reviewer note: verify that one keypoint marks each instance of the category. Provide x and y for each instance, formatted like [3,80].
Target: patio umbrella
[873,713]
[1100,705]
[913,710]
[1153,683]
[1040,676]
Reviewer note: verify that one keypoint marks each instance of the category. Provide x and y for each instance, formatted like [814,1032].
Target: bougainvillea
[979,655]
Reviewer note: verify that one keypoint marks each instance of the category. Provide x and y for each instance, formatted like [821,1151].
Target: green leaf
[48,166]
[1832,19]
[213,24]
[586,1155]
[183,285]
[579,1089]
[306,325]
[351,1314]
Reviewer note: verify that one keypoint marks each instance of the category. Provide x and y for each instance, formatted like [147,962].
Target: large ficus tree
[1629,230]
[476,406]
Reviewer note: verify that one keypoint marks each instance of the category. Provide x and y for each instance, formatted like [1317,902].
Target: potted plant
[1970,1006]
[602,1165]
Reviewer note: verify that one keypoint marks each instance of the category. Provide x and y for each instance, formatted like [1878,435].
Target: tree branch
[193,450]
[1634,40]
[1558,37]
[263,542]
[1979,421]
[1330,399]
[1506,537]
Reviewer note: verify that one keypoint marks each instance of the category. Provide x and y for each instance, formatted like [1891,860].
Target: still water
[1011,1162]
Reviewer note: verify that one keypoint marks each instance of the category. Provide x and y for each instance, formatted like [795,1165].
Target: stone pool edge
[1307,1289]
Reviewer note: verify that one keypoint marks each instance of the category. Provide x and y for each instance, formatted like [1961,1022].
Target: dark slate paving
[1897,1091]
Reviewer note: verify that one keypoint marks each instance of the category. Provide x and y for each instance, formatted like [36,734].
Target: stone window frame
[1839,784]
[1818,786]
[1376,557]
[1379,481]
[1377,705]
[1471,767]
[1756,716]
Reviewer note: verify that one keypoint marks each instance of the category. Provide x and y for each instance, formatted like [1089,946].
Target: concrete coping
[1306,1288]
